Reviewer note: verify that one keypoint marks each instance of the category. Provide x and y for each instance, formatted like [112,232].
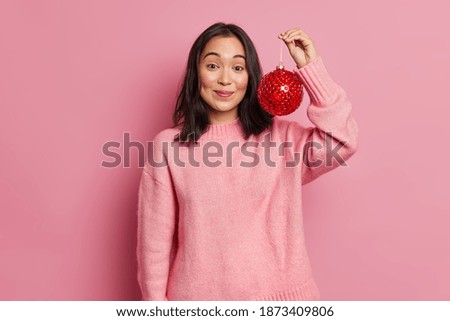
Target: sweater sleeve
[334,137]
[157,208]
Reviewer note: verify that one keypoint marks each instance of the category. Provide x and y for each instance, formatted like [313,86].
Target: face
[223,77]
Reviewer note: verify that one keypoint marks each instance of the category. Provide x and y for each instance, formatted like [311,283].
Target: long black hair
[192,111]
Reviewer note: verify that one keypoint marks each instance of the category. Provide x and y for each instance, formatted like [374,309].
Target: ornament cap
[280,66]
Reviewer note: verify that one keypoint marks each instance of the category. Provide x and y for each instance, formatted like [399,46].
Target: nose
[224,78]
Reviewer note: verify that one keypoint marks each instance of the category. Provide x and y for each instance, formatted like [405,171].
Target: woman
[232,228]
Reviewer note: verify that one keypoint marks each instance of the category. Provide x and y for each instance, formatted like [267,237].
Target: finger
[284,34]
[299,40]
[287,33]
[286,38]
[290,45]
[297,33]
[289,30]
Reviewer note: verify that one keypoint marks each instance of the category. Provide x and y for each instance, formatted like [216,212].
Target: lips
[222,93]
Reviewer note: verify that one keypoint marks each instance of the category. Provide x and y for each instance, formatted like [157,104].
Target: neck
[229,129]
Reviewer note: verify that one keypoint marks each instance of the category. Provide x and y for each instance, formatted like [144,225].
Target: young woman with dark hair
[191,108]
[233,229]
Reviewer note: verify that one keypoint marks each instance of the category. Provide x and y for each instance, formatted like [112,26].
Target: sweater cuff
[321,88]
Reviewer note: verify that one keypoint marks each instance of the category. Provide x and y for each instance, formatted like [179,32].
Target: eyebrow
[212,53]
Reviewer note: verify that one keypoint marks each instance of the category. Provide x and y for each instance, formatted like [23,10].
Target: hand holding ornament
[300,45]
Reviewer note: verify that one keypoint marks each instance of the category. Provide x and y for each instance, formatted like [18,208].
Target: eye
[239,68]
[212,66]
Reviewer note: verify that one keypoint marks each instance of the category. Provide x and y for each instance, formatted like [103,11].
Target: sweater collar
[232,129]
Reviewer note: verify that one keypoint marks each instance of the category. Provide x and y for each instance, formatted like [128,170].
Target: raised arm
[334,137]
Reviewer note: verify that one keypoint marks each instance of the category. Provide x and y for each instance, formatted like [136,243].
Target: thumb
[290,45]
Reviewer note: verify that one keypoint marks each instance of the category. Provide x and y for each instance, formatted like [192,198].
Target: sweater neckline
[232,129]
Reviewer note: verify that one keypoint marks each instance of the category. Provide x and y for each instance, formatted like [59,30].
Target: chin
[221,106]
[224,109]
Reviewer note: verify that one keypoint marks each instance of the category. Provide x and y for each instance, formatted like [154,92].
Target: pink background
[77,74]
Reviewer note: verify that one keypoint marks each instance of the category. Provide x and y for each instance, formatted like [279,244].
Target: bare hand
[300,46]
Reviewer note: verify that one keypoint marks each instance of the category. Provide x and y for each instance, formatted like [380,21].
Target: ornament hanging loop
[280,65]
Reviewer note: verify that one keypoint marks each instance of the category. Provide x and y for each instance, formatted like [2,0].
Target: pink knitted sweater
[223,220]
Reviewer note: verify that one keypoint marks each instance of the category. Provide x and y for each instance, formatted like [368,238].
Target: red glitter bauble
[280,92]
